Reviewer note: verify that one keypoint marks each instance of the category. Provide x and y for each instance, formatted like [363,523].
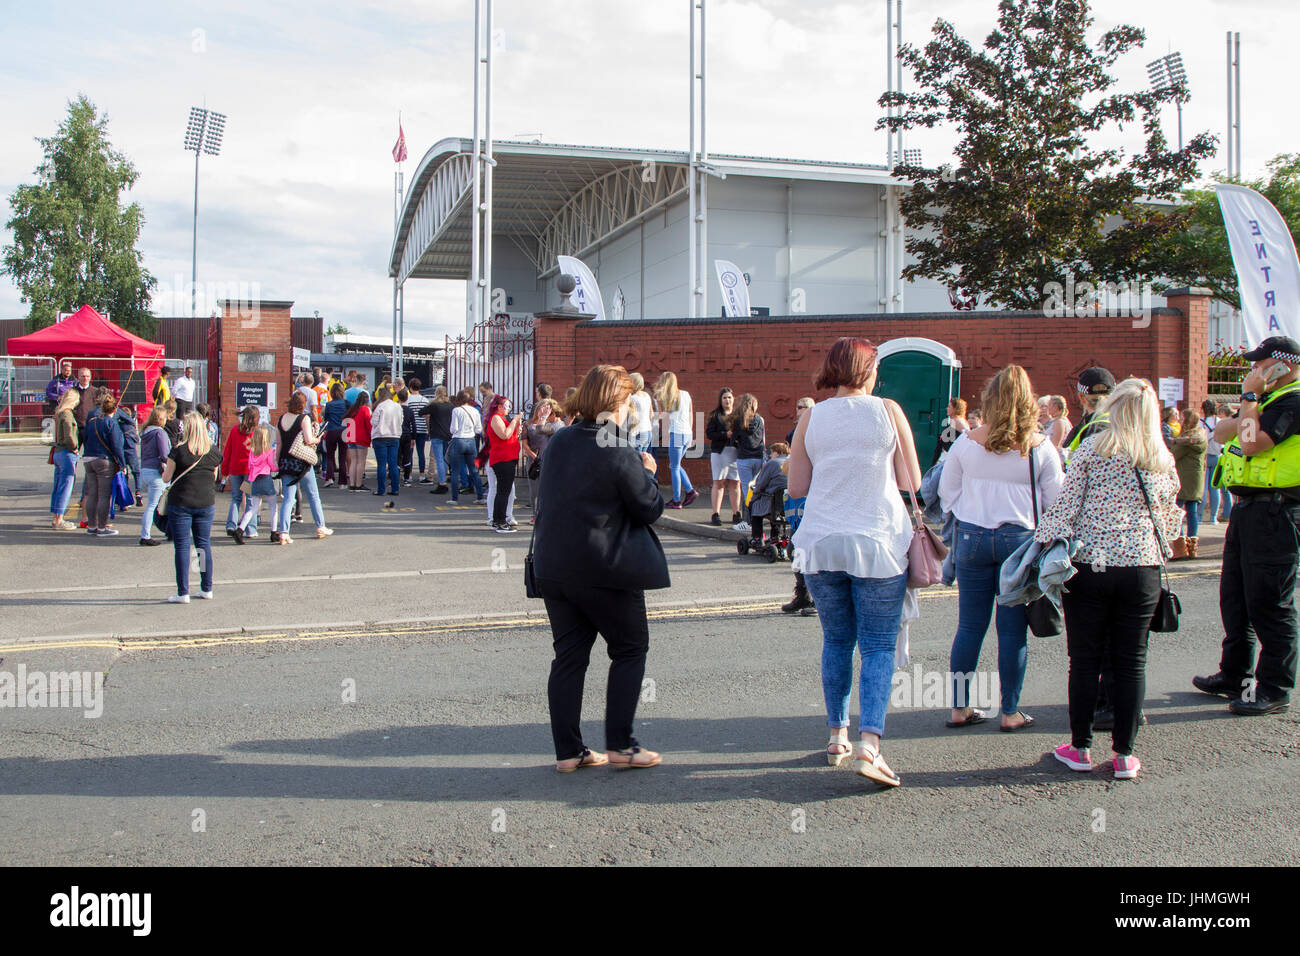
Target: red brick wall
[775,358]
[268,329]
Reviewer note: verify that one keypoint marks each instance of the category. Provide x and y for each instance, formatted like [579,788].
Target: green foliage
[1032,198]
[74,243]
[1200,255]
[337,329]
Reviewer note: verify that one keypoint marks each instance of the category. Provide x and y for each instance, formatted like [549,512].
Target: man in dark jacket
[125,417]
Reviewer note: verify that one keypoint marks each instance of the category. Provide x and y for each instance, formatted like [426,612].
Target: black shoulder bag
[1168,607]
[530,576]
[1045,618]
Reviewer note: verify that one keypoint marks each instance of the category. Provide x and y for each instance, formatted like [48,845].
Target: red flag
[399,150]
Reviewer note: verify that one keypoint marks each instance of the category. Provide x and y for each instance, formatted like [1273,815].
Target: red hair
[848,363]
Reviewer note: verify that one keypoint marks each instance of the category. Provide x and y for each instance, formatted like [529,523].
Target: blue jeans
[980,553]
[310,492]
[237,505]
[65,476]
[863,613]
[676,448]
[460,455]
[183,523]
[152,483]
[1211,496]
[386,456]
[420,441]
[749,467]
[642,440]
[437,458]
[1193,510]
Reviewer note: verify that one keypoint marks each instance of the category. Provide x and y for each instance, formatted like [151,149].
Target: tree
[1200,254]
[74,242]
[1032,199]
[337,329]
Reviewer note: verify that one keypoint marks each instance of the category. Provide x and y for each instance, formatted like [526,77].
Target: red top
[234,459]
[359,432]
[502,449]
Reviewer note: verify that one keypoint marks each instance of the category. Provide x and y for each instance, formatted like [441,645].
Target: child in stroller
[768,501]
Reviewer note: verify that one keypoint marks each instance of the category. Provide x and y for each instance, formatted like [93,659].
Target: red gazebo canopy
[85,333]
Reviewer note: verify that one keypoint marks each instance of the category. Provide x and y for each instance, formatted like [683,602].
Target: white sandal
[873,767]
[835,759]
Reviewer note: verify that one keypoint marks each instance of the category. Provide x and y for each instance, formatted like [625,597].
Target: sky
[299,205]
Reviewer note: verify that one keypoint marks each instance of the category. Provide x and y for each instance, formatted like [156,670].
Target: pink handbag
[926,552]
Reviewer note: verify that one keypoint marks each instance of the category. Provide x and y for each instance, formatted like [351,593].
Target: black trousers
[1107,622]
[1257,593]
[505,471]
[577,614]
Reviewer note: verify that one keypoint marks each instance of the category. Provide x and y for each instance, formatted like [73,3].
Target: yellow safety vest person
[1279,467]
[1101,418]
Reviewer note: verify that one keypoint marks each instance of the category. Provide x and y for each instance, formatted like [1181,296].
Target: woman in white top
[986,485]
[851,454]
[677,404]
[643,413]
[385,433]
[1058,424]
[465,424]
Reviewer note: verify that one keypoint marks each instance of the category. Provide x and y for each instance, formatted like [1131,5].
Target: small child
[771,479]
[260,484]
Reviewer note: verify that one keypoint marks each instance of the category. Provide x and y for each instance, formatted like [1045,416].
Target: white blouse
[464,423]
[990,489]
[854,519]
[681,421]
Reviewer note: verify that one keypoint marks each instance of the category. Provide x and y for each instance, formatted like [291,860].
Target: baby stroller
[778,546]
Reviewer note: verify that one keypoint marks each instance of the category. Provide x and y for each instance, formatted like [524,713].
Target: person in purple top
[60,384]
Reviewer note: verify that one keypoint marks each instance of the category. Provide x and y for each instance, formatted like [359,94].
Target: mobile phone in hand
[1276,371]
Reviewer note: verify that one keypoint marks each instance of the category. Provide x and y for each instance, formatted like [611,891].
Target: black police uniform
[1260,556]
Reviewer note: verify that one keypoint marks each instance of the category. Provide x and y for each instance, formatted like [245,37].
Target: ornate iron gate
[500,350]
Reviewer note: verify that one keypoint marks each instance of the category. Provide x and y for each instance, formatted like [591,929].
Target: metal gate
[500,350]
[23,379]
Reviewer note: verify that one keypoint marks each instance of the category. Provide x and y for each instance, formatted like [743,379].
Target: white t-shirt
[644,416]
[990,489]
[681,421]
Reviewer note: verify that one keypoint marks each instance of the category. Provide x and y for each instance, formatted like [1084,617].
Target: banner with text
[735,293]
[1268,272]
[586,295]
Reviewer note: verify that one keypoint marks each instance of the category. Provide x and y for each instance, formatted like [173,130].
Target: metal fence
[500,350]
[23,379]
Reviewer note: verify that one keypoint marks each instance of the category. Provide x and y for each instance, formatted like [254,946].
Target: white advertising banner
[1268,272]
[619,308]
[735,293]
[586,295]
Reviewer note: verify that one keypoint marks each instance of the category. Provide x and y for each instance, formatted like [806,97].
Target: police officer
[1094,385]
[1260,465]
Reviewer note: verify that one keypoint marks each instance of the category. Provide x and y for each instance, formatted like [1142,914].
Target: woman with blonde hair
[643,433]
[595,555]
[191,475]
[997,480]
[261,484]
[748,433]
[64,457]
[676,403]
[1118,502]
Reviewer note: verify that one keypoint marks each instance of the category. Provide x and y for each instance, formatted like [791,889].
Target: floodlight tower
[203,135]
[1165,73]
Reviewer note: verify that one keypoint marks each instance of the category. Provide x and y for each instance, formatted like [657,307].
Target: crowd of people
[1117,494]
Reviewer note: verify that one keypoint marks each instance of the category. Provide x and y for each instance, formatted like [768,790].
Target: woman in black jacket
[726,478]
[747,432]
[594,556]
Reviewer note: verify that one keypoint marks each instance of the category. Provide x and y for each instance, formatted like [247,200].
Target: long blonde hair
[1010,411]
[670,398]
[260,440]
[66,402]
[744,412]
[1134,429]
[197,439]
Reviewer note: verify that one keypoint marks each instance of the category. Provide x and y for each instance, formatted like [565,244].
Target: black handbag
[1045,618]
[530,576]
[1168,607]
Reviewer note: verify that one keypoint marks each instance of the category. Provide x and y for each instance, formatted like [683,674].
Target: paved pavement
[427,742]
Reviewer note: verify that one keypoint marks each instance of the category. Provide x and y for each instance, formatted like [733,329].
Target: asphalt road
[243,750]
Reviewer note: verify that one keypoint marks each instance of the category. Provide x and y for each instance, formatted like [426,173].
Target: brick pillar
[255,328]
[555,348]
[1194,305]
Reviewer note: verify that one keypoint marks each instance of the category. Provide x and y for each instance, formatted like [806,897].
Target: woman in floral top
[1110,601]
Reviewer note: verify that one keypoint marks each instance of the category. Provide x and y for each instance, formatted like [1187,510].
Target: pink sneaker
[1080,760]
[1126,768]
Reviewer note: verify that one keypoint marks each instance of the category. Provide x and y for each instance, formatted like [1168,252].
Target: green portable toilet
[922,375]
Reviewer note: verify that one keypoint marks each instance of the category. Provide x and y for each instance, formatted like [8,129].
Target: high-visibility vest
[1101,418]
[1279,467]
